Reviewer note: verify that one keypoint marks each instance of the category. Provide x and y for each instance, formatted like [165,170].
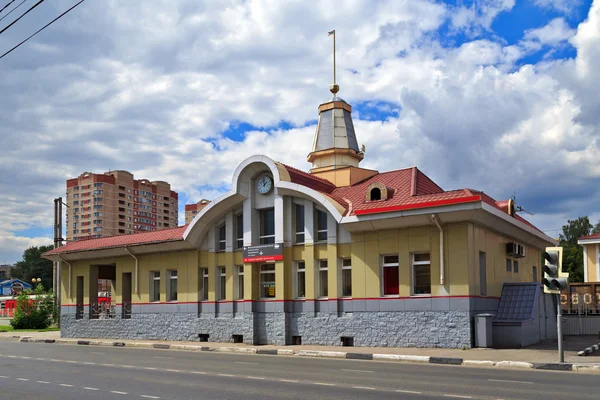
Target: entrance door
[126,307]
[79,299]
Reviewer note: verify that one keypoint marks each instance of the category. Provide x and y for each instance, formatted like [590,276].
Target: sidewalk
[543,356]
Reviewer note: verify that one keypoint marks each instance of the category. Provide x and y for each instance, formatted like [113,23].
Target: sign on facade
[263,253]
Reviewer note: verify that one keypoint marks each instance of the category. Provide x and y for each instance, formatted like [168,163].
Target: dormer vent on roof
[376,191]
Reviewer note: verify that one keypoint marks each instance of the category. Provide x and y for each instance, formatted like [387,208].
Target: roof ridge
[308,174]
[413,181]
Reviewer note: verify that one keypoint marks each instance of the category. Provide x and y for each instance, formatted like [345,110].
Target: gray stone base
[447,329]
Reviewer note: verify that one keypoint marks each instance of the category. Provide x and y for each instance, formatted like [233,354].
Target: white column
[585,265]
[229,232]
[288,216]
[279,217]
[309,221]
[249,220]
[212,241]
[597,262]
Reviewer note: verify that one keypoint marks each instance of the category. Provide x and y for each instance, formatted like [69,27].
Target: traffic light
[555,279]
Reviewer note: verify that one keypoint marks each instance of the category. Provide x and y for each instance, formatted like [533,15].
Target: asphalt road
[50,371]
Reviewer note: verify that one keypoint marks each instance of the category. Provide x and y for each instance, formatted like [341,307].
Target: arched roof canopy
[241,188]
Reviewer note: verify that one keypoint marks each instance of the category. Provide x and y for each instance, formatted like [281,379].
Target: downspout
[135,281]
[435,220]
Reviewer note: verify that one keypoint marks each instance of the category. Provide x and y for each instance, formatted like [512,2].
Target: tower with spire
[335,154]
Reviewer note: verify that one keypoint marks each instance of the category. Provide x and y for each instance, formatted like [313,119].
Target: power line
[10,12]
[41,29]
[9,3]
[22,15]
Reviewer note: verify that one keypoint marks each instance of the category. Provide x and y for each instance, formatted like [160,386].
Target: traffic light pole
[561,353]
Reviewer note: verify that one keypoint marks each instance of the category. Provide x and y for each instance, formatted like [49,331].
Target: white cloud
[153,94]
[565,6]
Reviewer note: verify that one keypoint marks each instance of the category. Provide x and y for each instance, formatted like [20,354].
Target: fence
[581,299]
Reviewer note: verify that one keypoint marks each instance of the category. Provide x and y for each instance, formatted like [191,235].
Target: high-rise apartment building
[114,203]
[192,209]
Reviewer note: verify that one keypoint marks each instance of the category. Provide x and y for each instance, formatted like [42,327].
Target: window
[267,281]
[267,226]
[321,225]
[239,231]
[222,283]
[203,289]
[172,285]
[222,238]
[240,282]
[323,288]
[300,280]
[299,223]
[515,266]
[421,274]
[391,277]
[375,194]
[154,286]
[508,265]
[482,274]
[346,277]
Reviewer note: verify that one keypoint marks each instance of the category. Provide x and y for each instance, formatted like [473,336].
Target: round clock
[264,184]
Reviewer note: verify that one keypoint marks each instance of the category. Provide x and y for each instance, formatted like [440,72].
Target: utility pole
[561,352]
[58,241]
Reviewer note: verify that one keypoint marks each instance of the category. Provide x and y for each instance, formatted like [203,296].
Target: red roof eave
[427,204]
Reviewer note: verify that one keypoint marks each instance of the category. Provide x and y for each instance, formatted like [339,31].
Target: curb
[584,368]
[589,350]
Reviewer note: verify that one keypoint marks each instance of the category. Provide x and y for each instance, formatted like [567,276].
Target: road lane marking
[41,359]
[42,382]
[173,370]
[149,397]
[3,377]
[242,362]
[364,387]
[117,392]
[288,380]
[408,391]
[23,379]
[324,384]
[197,372]
[506,381]
[150,368]
[458,396]
[25,358]
[255,377]
[226,375]
[167,358]
[127,366]
[90,388]
[108,365]
[89,363]
[356,370]
[65,385]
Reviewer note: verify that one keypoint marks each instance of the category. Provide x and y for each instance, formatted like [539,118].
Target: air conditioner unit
[521,252]
[512,249]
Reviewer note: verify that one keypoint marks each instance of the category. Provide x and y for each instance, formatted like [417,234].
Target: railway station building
[336,255]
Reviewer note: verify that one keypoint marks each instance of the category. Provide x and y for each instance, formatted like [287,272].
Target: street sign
[263,253]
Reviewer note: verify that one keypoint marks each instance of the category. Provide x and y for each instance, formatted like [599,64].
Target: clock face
[264,184]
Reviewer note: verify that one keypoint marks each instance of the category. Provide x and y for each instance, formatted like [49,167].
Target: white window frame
[154,276]
[260,220]
[203,276]
[239,282]
[382,274]
[320,281]
[343,268]
[222,275]
[297,270]
[239,241]
[261,273]
[298,233]
[508,265]
[172,277]
[515,266]
[413,277]
[221,243]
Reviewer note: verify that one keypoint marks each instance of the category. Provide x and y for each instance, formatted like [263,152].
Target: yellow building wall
[494,246]
[592,260]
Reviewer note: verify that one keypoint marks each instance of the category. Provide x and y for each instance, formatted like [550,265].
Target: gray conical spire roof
[335,129]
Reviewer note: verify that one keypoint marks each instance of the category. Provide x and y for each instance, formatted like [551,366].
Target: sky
[493,95]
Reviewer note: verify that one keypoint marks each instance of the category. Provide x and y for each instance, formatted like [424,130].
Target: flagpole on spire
[335,87]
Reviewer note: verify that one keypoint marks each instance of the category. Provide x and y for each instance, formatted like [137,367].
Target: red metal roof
[136,239]
[308,180]
[589,237]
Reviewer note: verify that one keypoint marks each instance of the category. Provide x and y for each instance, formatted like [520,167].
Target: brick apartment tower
[114,203]
[191,210]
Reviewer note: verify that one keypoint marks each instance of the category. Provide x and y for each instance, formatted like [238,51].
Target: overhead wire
[41,29]
[9,3]
[11,11]
[22,15]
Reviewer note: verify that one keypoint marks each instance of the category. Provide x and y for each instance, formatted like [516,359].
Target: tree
[34,266]
[596,228]
[38,313]
[572,252]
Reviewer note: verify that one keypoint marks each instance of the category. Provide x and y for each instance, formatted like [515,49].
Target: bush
[38,313]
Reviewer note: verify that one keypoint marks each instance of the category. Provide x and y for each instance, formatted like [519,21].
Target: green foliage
[34,266]
[35,314]
[572,252]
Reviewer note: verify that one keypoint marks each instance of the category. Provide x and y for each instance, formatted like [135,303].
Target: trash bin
[483,330]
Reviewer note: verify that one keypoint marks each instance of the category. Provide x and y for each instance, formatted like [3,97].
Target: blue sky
[494,95]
